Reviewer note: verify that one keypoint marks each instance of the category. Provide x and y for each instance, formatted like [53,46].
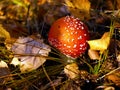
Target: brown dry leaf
[72,70]
[15,31]
[40,2]
[112,4]
[29,53]
[93,54]
[27,2]
[109,88]
[4,71]
[118,58]
[115,78]
[106,4]
[79,8]
[118,4]
[105,87]
[100,44]
[4,33]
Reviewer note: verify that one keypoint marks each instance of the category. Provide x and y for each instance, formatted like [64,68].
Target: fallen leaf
[3,64]
[31,53]
[115,78]
[15,61]
[109,88]
[100,44]
[79,8]
[3,33]
[29,2]
[15,31]
[93,54]
[72,70]
[4,71]
[118,4]
[105,87]
[41,2]
[118,60]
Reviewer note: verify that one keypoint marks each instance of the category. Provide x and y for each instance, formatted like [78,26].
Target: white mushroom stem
[72,70]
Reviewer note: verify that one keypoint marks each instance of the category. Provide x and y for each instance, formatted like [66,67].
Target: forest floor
[24,26]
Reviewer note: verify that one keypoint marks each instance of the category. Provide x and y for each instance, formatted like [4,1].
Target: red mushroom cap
[69,35]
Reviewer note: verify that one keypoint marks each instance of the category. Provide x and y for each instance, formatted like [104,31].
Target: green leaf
[96,69]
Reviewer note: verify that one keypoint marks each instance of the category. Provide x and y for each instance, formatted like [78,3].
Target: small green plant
[103,56]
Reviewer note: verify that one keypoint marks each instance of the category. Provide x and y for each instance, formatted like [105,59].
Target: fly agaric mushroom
[69,35]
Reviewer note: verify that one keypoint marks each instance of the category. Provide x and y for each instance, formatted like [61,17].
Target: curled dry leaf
[30,53]
[100,44]
[72,70]
[93,54]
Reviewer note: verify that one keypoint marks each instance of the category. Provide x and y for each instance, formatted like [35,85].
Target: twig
[109,73]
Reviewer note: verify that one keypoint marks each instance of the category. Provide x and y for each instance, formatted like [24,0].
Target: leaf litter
[20,25]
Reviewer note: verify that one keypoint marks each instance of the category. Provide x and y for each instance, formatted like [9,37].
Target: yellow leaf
[3,33]
[79,8]
[100,44]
